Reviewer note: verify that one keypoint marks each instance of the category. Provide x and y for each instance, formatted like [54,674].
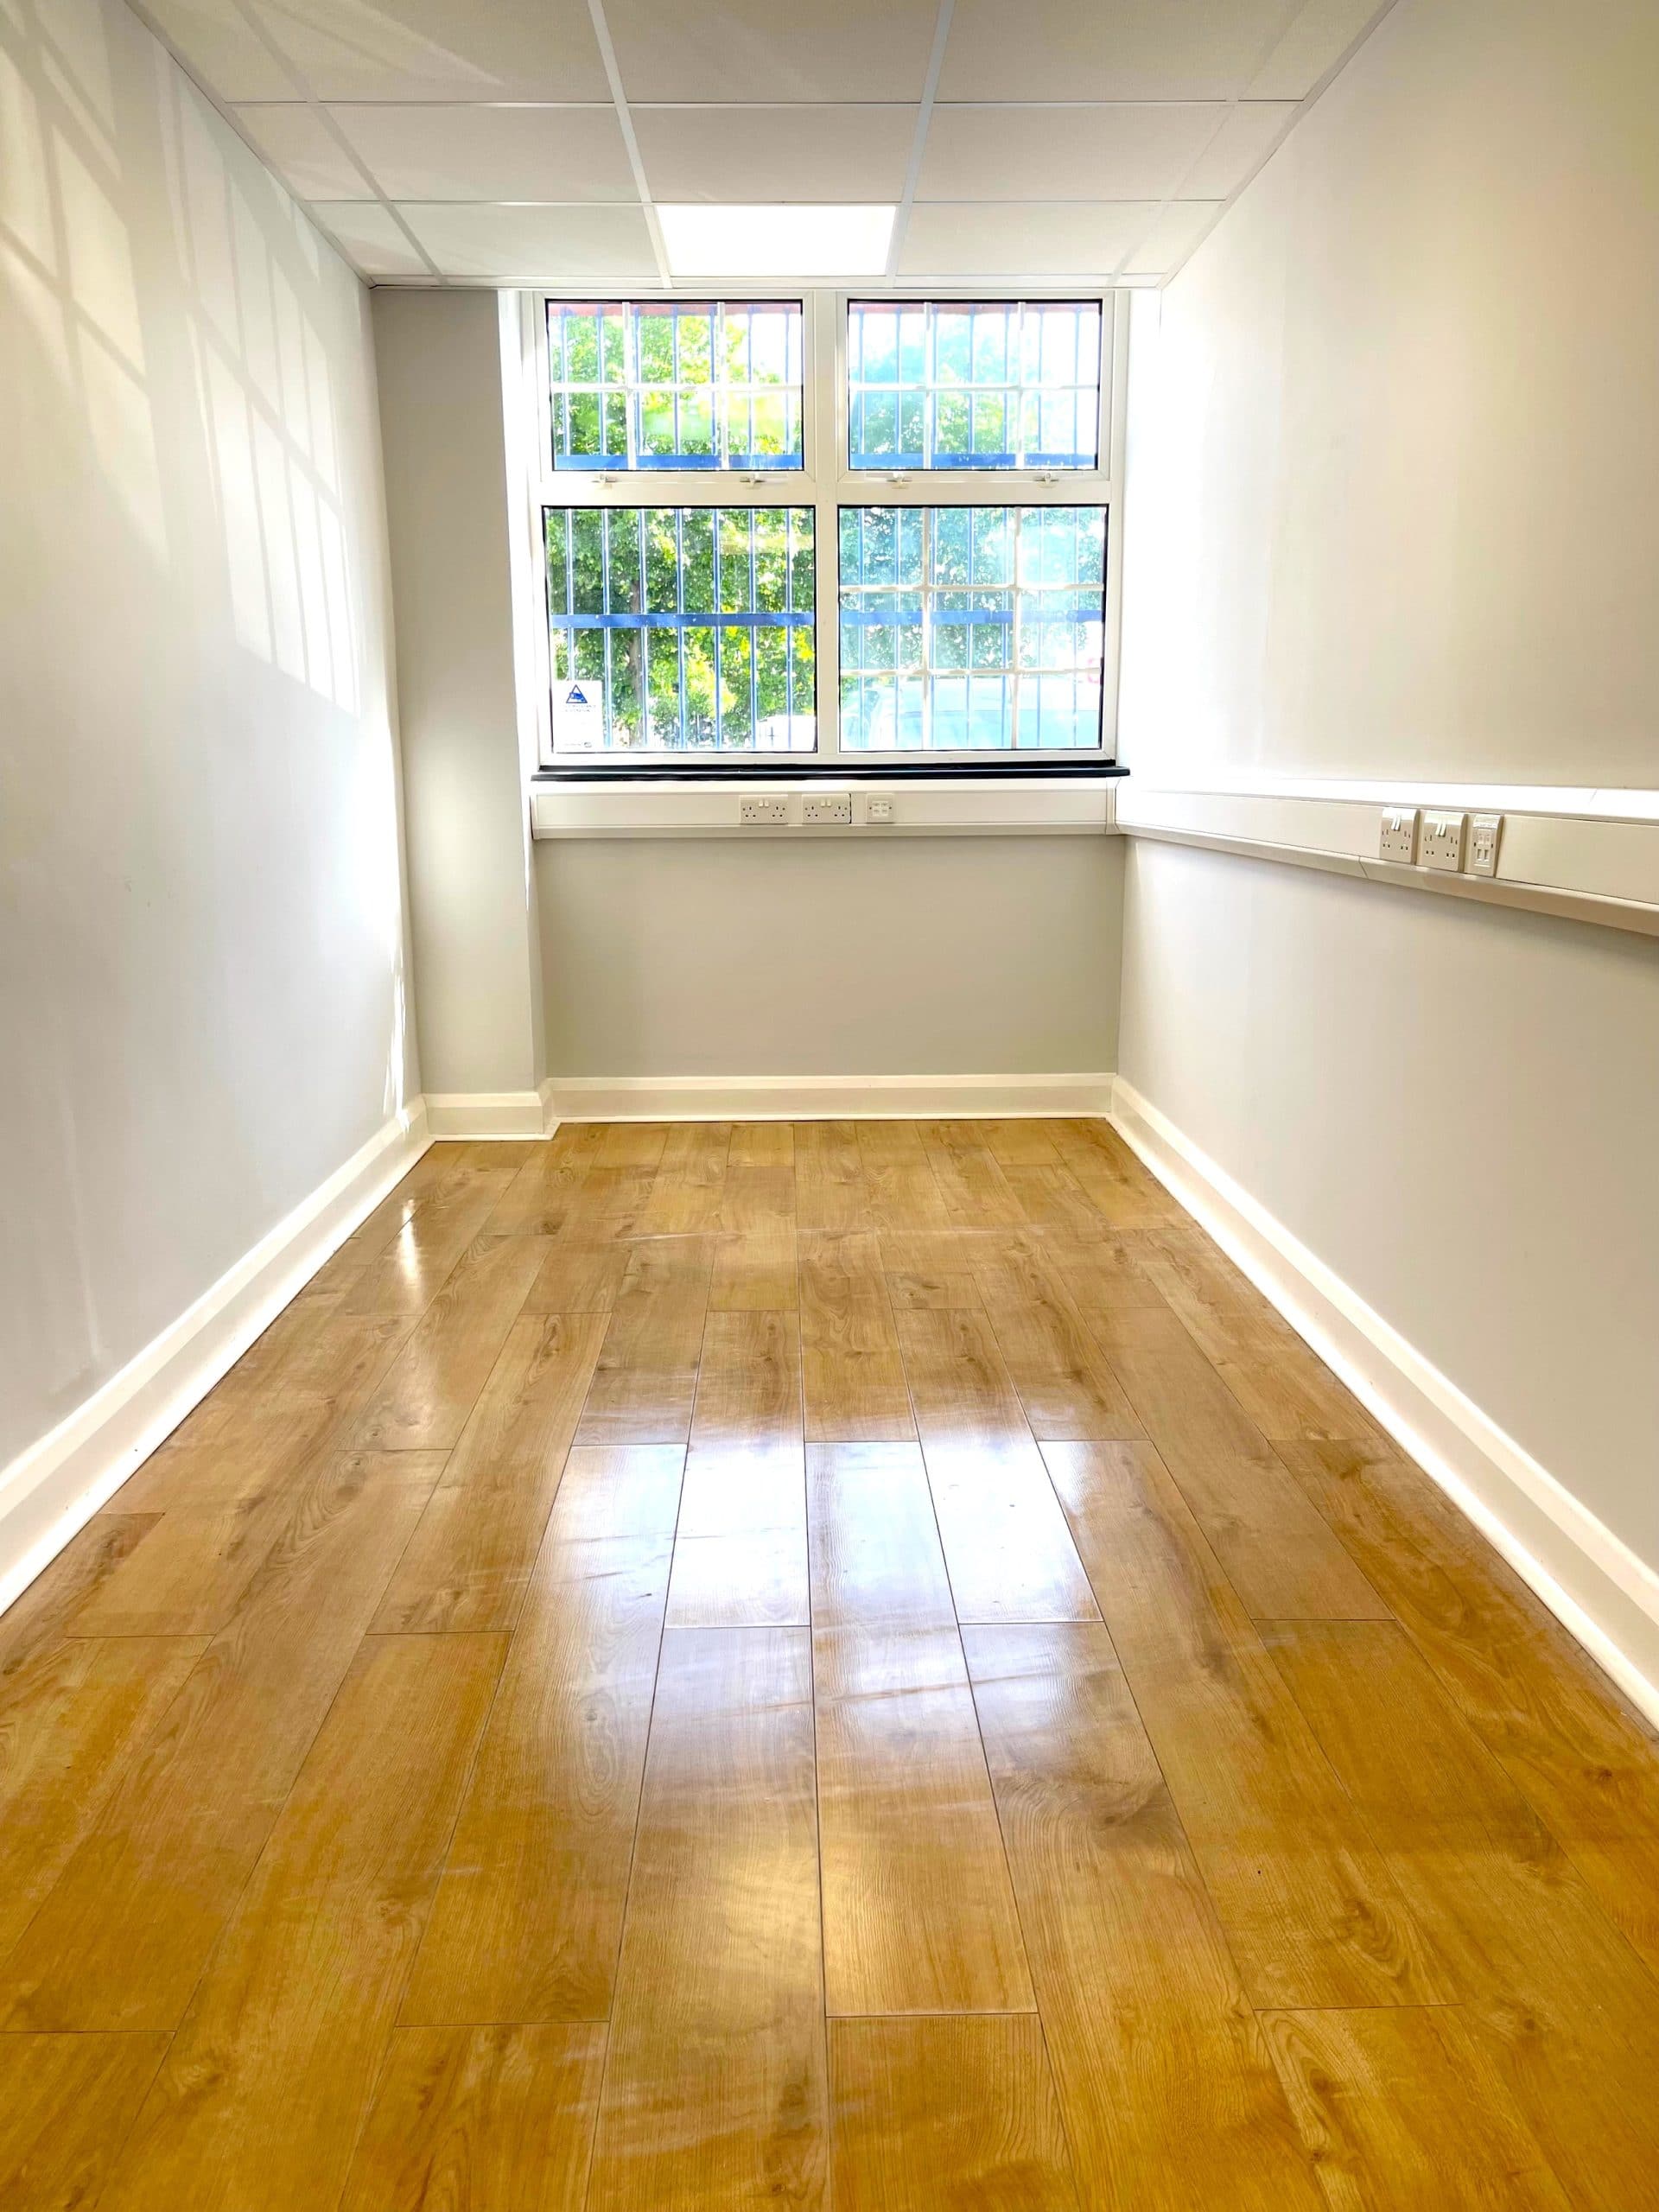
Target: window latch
[898,476]
[755,477]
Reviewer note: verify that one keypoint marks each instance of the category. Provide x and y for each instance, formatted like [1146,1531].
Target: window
[970,629]
[823,530]
[966,384]
[675,384]
[680,629]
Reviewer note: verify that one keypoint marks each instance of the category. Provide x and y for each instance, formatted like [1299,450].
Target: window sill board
[933,804]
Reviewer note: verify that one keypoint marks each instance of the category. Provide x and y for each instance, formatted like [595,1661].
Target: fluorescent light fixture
[777,241]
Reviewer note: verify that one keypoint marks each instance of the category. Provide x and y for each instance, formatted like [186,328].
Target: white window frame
[826,484]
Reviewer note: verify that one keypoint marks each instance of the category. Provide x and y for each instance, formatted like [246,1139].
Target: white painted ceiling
[514,140]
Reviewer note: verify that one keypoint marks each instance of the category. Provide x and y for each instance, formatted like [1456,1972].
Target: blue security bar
[682,629]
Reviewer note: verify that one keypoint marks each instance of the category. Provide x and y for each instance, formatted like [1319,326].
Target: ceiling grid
[492,142]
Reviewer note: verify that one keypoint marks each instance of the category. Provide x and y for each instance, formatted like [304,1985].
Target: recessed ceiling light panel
[777,241]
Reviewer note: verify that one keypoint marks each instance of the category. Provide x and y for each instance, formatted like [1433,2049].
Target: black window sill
[781,768]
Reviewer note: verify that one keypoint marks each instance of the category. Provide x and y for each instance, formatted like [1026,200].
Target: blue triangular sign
[575,696]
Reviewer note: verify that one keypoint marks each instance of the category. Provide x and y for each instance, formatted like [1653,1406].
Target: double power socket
[1455,843]
[816,810]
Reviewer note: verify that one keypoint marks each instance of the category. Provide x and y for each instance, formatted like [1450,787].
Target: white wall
[202,965]
[928,956]
[477,984]
[1392,456]
[1393,510]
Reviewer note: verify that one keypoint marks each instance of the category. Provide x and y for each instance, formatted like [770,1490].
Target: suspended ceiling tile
[368,236]
[1321,33]
[1171,237]
[441,49]
[491,152]
[741,154]
[532,245]
[222,48]
[1041,238]
[299,145]
[1132,50]
[1249,133]
[1124,152]
[807,50]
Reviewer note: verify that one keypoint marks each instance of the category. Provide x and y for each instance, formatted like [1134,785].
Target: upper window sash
[986,386]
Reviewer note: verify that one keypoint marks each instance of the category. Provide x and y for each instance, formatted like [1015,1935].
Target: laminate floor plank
[294,2011]
[918,1915]
[469,1560]
[689,1186]
[740,1551]
[1111,1178]
[33,1625]
[647,1378]
[900,1190]
[946,2112]
[580,1274]
[433,1385]
[1069,1390]
[543,1195]
[409,1274]
[1011,1555]
[121,1938]
[1049,1196]
[529,1913]
[930,1267]
[1168,2089]
[1308,1907]
[66,1738]
[66,2105]
[1280,1553]
[481,2120]
[1585,1758]
[1405,2111]
[853,1375]
[1021,1143]
[755,1254]
[714,2097]
[972,1181]
[830,1191]
[1557,1997]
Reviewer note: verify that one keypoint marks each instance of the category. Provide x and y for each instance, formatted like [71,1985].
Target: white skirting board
[822,1097]
[52,1489]
[486,1114]
[1590,1579]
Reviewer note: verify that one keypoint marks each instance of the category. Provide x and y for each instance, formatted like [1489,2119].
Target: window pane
[971,628]
[683,629]
[675,384]
[973,384]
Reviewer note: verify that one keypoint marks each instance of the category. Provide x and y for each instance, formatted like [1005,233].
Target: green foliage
[701,685]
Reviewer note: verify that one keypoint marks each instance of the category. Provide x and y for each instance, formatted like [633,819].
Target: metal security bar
[680,629]
[675,384]
[974,629]
[967,384]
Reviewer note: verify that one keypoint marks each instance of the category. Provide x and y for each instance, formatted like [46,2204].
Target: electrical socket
[878,810]
[774,811]
[1398,841]
[1484,830]
[1443,842]
[830,806]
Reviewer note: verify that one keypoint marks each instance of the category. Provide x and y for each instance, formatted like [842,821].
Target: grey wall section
[925,956]
[1392,511]
[201,944]
[470,889]
[1454,1107]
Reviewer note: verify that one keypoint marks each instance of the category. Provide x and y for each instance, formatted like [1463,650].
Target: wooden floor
[860,1665]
